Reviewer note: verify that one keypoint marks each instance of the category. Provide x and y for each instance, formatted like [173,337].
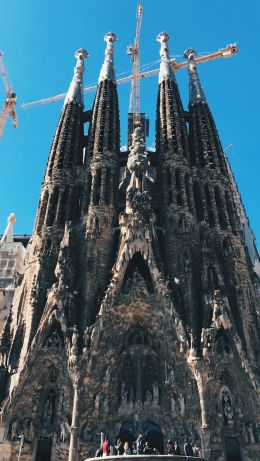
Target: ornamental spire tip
[196,91]
[75,93]
[107,70]
[165,65]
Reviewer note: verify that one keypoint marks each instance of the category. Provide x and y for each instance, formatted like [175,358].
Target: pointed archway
[137,273]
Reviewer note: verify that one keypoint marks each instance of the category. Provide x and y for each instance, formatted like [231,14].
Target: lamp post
[21,446]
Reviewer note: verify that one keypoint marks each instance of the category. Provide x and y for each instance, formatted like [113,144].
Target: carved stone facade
[138,310]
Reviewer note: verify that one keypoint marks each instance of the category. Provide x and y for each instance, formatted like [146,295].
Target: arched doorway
[126,433]
[232,449]
[44,449]
[152,434]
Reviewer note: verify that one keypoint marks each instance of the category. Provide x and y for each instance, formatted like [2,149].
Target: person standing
[187,448]
[127,450]
[170,448]
[139,445]
[176,448]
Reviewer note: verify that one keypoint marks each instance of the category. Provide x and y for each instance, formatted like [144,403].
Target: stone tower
[138,309]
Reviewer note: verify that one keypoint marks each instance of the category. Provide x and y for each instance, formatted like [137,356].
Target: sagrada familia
[138,309]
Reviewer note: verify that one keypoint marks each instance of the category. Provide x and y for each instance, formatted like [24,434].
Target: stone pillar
[200,369]
[74,430]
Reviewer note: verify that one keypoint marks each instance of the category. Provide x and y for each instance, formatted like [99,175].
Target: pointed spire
[8,236]
[166,70]
[108,70]
[75,92]
[196,91]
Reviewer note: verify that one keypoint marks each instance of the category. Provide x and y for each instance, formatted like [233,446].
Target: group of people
[144,447]
[139,447]
[189,449]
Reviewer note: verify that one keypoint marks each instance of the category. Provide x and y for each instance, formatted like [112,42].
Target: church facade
[138,309]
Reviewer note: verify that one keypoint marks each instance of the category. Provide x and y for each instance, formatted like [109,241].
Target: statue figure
[182,404]
[16,429]
[123,394]
[172,376]
[155,394]
[250,433]
[107,376]
[105,405]
[97,402]
[27,429]
[48,414]
[173,404]
[148,397]
[64,430]
[226,405]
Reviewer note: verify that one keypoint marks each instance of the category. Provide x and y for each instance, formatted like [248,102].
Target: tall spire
[166,70]
[9,234]
[171,130]
[196,90]
[107,70]
[75,92]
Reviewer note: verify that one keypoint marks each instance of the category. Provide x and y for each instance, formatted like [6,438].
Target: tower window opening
[198,201]
[209,206]
[97,185]
[107,186]
[52,208]
[63,206]
[230,212]
[221,217]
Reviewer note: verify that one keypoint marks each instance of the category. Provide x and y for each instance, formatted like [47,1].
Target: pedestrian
[176,448]
[105,448]
[119,447]
[127,450]
[148,450]
[187,448]
[139,445]
[98,453]
[197,451]
[170,447]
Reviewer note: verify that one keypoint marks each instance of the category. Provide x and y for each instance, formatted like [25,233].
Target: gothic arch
[136,268]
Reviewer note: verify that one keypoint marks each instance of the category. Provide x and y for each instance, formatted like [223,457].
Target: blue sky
[39,37]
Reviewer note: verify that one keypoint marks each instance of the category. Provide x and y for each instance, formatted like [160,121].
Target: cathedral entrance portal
[153,435]
[151,432]
[232,449]
[44,449]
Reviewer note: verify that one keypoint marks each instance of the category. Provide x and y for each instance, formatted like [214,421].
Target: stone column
[200,369]
[74,430]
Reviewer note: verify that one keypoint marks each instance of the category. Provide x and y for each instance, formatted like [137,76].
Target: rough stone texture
[138,308]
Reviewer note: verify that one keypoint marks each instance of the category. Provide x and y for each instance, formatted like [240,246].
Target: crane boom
[134,51]
[227,52]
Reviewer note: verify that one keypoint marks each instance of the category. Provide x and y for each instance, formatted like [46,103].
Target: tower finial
[165,65]
[196,91]
[75,92]
[107,70]
[8,236]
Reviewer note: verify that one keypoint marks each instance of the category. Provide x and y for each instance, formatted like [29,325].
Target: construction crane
[10,101]
[134,51]
[227,52]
